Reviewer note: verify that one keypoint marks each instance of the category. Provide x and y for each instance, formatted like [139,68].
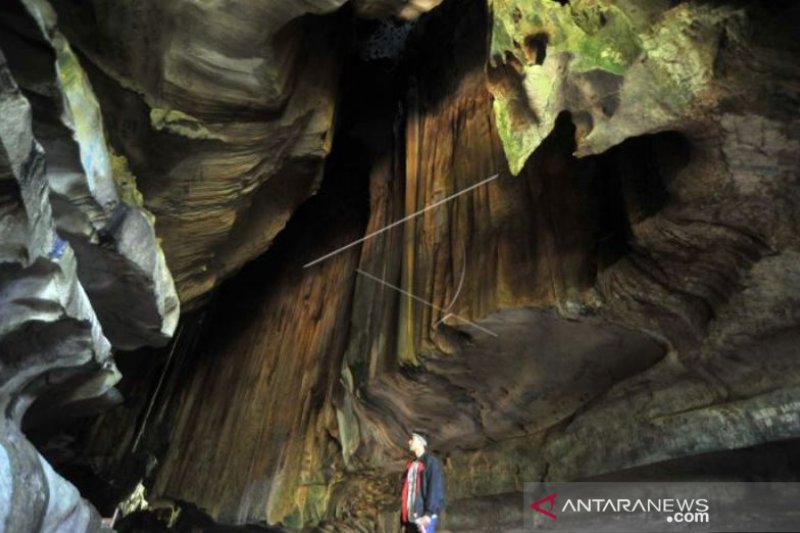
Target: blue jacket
[431,500]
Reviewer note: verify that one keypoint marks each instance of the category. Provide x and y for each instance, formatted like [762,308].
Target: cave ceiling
[248,246]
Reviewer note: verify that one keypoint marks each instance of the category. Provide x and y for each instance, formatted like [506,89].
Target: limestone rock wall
[277,344]
[621,70]
[82,271]
[659,234]
[632,270]
[48,330]
[225,113]
[95,202]
[601,278]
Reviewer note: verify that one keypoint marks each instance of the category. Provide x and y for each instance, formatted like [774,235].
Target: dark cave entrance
[631,183]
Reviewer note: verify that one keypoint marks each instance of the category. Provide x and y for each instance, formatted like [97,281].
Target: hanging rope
[152,401]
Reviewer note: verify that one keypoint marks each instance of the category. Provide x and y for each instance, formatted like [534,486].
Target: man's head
[418,442]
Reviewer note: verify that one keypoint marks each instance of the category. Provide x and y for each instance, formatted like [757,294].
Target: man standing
[423,490]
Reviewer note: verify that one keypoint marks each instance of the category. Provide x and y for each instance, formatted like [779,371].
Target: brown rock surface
[647,279]
[224,110]
[225,114]
[627,307]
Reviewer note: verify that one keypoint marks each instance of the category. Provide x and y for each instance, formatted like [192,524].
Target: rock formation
[622,263]
[224,111]
[82,269]
[49,333]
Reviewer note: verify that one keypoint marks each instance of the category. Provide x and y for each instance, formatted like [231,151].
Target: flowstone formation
[617,298]
[630,271]
[668,232]
[225,112]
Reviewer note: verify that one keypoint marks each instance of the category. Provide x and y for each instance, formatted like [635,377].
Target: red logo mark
[552,500]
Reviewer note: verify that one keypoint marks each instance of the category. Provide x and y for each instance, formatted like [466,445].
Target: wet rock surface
[82,272]
[120,263]
[618,301]
[48,331]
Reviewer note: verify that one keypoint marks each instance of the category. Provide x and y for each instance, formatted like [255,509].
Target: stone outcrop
[49,333]
[81,271]
[692,251]
[633,262]
[631,270]
[224,111]
[224,114]
[620,69]
[95,201]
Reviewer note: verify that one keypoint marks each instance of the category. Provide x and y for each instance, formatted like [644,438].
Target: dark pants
[411,527]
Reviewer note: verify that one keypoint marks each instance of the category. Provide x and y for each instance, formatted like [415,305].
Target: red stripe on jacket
[404,502]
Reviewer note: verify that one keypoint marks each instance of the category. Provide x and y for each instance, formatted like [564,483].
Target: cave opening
[536,46]
[632,182]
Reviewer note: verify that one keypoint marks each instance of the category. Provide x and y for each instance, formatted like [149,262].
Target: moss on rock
[562,53]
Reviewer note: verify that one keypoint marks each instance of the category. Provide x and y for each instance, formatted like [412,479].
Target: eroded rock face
[224,113]
[48,330]
[120,263]
[695,252]
[81,271]
[656,244]
[278,456]
[632,270]
[621,70]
